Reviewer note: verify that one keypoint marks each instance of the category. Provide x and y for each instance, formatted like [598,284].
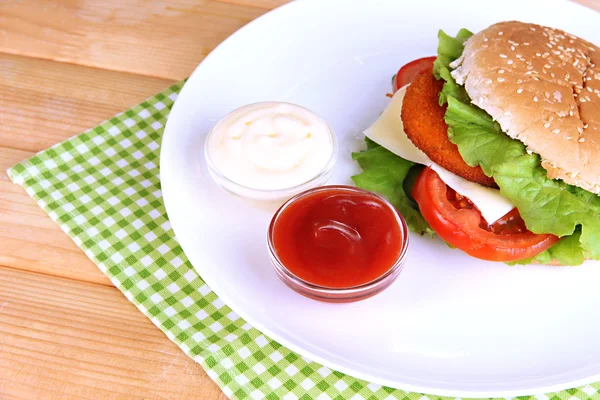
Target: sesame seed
[509,62]
[535,78]
[589,89]
[528,72]
[485,39]
[502,55]
[526,43]
[501,79]
[583,100]
[581,140]
[557,131]
[519,81]
[580,130]
[535,98]
[549,45]
[532,28]
[547,66]
[500,33]
[585,126]
[512,48]
[552,75]
[530,67]
[520,90]
[547,95]
[538,54]
[547,125]
[576,63]
[570,113]
[501,71]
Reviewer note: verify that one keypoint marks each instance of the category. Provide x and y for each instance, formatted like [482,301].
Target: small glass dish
[278,194]
[338,294]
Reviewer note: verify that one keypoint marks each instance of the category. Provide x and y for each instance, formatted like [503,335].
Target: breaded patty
[424,124]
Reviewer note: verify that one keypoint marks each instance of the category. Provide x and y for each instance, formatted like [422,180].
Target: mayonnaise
[270,146]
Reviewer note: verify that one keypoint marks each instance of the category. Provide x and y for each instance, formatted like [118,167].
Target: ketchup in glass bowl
[337,243]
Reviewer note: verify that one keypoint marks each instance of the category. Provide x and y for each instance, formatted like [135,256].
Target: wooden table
[65,66]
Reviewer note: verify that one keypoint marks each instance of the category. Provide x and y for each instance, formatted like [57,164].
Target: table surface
[66,66]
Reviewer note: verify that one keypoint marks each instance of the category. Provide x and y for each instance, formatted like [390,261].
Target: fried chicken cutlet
[424,124]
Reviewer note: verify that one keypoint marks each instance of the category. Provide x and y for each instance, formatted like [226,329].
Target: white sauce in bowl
[270,146]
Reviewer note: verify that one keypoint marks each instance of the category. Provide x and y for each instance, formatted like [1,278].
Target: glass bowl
[343,294]
[284,193]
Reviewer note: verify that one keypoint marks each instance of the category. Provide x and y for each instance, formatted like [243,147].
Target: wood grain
[45,102]
[42,103]
[66,339]
[155,38]
[30,240]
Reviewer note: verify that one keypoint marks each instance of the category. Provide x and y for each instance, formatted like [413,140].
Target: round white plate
[450,324]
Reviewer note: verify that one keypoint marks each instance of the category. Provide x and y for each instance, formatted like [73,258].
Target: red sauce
[338,238]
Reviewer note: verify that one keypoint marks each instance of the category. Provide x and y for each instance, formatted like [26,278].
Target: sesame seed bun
[542,85]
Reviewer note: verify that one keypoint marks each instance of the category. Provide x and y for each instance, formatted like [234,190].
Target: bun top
[542,85]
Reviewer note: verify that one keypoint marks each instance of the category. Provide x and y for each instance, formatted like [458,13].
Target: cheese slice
[388,131]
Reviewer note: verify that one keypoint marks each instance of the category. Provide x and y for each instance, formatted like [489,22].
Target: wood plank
[66,339]
[45,102]
[164,39]
[30,240]
[143,37]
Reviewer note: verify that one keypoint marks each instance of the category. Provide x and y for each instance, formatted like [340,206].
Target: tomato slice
[408,72]
[456,220]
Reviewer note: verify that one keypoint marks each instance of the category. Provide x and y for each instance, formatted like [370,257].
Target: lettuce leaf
[546,205]
[449,49]
[384,173]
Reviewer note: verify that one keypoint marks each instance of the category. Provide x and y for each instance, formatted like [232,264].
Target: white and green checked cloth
[102,188]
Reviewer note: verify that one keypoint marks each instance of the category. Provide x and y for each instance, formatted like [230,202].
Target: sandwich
[494,145]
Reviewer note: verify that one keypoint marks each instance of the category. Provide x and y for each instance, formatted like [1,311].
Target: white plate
[450,325]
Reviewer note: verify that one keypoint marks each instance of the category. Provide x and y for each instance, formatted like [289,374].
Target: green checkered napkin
[102,188]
